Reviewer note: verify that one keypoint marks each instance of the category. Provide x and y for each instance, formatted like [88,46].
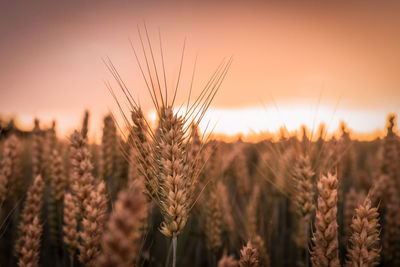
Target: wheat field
[170,196]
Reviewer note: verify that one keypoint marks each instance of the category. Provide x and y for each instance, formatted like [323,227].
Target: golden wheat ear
[167,181]
[94,217]
[120,238]
[108,148]
[248,256]
[227,261]
[8,163]
[31,210]
[82,180]
[58,178]
[213,214]
[31,247]
[325,249]
[303,193]
[37,149]
[364,246]
[70,227]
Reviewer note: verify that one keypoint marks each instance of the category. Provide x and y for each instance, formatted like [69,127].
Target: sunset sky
[293,63]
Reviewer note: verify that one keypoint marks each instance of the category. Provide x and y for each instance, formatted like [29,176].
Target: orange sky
[286,57]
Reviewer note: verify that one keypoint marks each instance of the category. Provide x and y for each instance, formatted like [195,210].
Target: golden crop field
[184,169]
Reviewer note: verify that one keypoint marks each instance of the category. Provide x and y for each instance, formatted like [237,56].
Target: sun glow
[257,121]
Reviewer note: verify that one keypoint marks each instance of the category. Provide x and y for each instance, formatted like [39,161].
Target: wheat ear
[31,247]
[227,261]
[248,256]
[32,208]
[7,165]
[143,154]
[37,149]
[350,205]
[213,221]
[94,217]
[108,147]
[71,211]
[81,177]
[304,191]
[364,246]
[227,219]
[325,248]
[58,181]
[119,241]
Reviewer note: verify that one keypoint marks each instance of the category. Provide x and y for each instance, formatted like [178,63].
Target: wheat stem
[174,245]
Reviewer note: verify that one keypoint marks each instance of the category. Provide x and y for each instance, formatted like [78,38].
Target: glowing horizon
[251,123]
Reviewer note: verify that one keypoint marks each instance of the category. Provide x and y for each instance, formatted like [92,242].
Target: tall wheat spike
[227,219]
[303,194]
[259,244]
[85,124]
[31,244]
[325,240]
[58,178]
[70,228]
[173,190]
[248,256]
[391,234]
[143,155]
[31,210]
[81,177]
[352,202]
[49,144]
[108,147]
[364,246]
[119,241]
[252,213]
[7,165]
[228,261]
[213,221]
[94,217]
[37,149]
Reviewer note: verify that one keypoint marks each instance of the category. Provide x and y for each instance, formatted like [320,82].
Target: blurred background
[293,63]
